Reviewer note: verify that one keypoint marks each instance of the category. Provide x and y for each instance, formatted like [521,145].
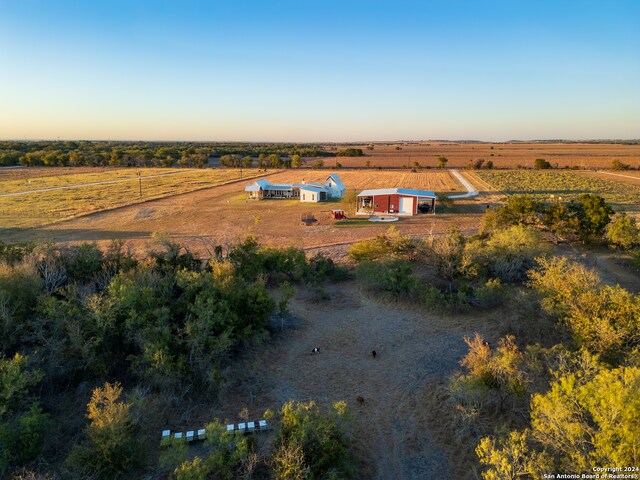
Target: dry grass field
[28,179]
[41,208]
[434,180]
[17,173]
[503,155]
[568,184]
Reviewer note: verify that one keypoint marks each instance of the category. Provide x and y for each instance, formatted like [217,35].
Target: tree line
[141,154]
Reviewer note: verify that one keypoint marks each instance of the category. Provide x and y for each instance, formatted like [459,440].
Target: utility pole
[140,182]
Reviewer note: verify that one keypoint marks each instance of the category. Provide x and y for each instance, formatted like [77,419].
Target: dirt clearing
[415,351]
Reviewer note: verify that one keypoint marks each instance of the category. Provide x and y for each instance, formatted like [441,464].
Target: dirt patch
[415,352]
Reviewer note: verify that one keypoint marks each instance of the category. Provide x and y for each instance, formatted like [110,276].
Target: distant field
[566,184]
[434,180]
[41,178]
[16,173]
[37,209]
[503,155]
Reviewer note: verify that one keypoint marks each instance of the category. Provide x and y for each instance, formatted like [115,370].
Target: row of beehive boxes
[201,434]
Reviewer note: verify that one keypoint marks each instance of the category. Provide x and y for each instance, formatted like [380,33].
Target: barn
[396,201]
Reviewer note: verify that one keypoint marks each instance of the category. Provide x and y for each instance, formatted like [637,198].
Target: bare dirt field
[223,215]
[416,351]
[434,180]
[503,155]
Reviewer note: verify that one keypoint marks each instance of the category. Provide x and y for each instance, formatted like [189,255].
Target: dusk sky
[325,70]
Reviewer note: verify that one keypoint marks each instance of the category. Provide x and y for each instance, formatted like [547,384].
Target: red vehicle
[338,214]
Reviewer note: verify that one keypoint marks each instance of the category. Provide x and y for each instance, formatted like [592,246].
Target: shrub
[508,253]
[605,319]
[541,164]
[224,460]
[616,164]
[623,232]
[312,441]
[391,244]
[351,152]
[322,268]
[387,276]
[19,290]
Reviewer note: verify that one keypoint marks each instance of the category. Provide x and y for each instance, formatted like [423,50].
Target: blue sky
[310,70]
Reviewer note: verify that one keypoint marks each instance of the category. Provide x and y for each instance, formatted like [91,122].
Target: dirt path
[471,190]
[415,351]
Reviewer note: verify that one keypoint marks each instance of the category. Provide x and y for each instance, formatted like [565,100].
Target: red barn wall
[382,203]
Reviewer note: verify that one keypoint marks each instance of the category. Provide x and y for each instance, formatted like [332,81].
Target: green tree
[623,232]
[560,220]
[322,438]
[111,448]
[351,152]
[586,423]
[604,319]
[541,164]
[296,161]
[224,462]
[15,383]
[289,463]
[593,216]
[442,162]
[274,161]
[500,370]
[512,458]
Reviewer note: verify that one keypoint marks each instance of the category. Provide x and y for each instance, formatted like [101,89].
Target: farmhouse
[397,201]
[305,192]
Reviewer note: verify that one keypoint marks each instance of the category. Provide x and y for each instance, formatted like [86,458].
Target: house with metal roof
[304,191]
[395,201]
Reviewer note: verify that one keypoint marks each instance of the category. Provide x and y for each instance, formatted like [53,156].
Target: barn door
[406,205]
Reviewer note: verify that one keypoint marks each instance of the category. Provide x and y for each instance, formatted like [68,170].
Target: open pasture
[28,179]
[435,180]
[503,155]
[568,184]
[37,209]
[17,173]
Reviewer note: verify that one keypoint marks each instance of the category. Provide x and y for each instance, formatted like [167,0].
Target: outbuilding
[395,201]
[312,193]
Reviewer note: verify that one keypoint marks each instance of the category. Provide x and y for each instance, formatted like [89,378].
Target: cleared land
[561,183]
[223,214]
[416,351]
[434,180]
[42,208]
[503,155]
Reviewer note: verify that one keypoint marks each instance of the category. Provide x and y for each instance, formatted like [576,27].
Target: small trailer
[337,214]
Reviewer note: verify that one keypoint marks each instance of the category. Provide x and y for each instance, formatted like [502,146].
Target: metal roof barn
[395,201]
